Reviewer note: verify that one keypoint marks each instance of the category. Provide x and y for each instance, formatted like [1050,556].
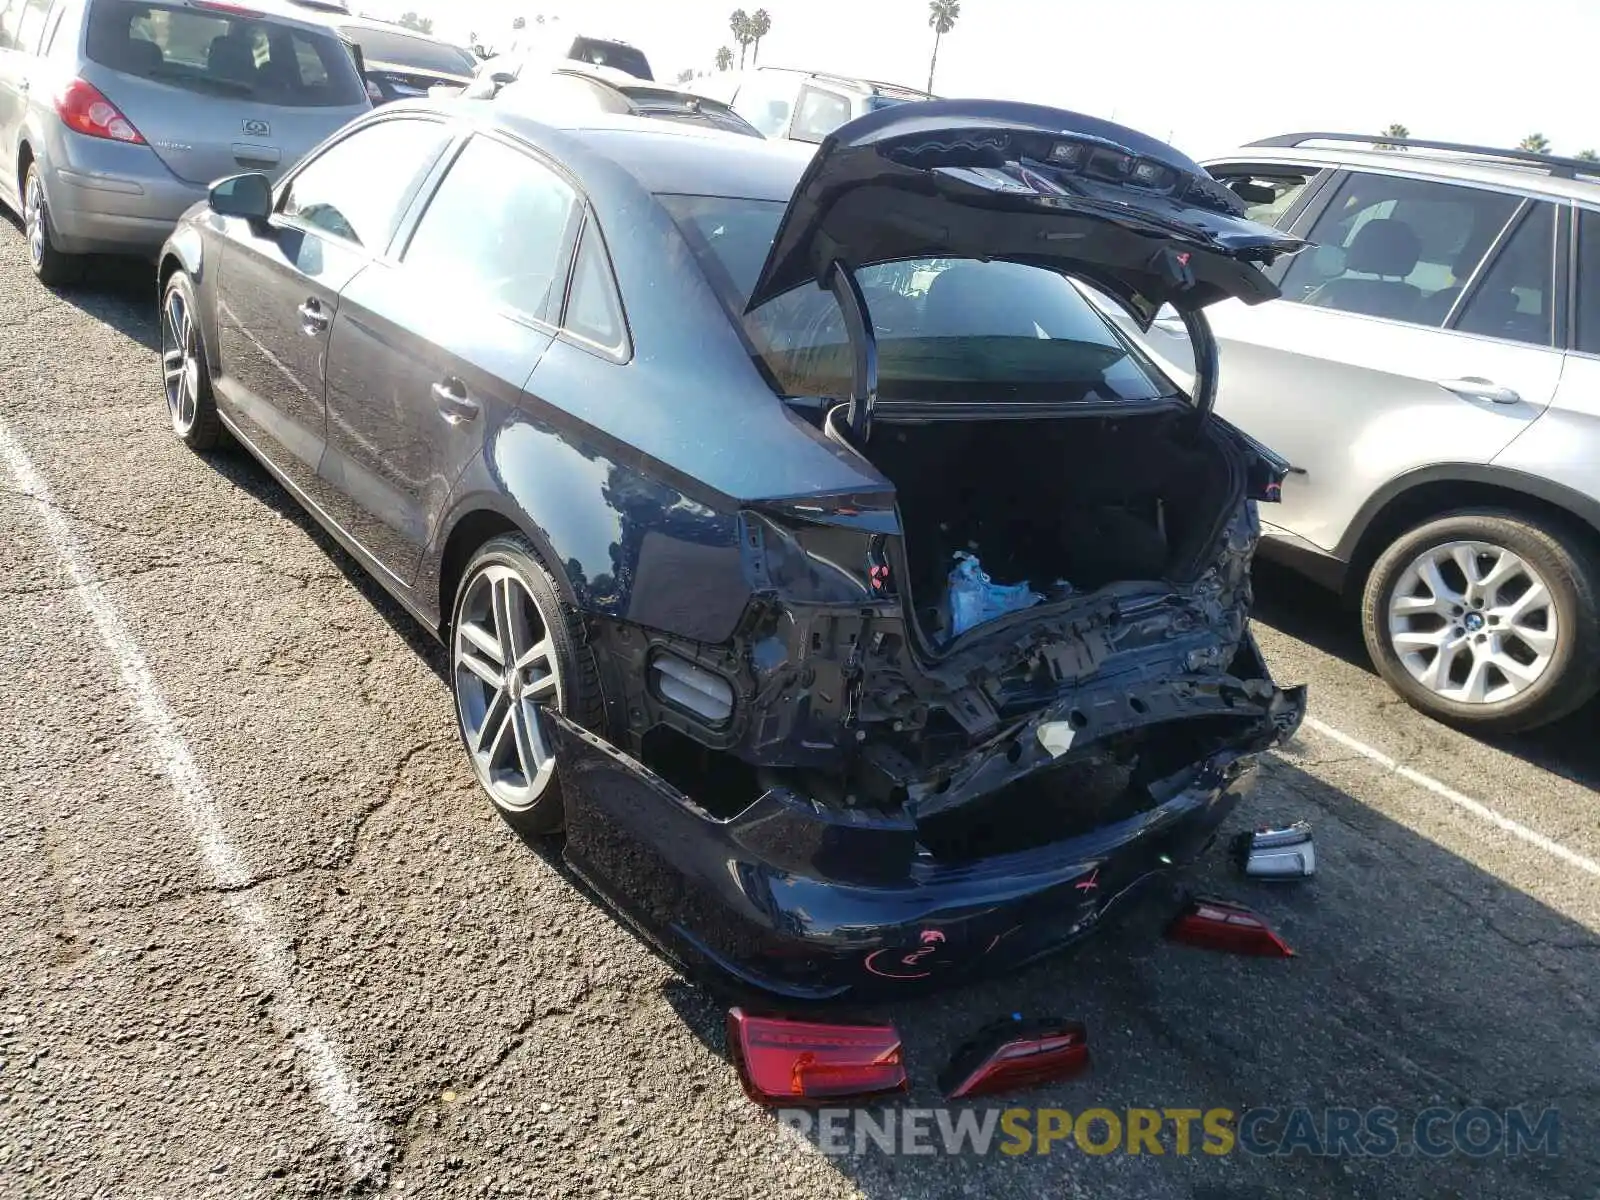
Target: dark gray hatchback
[688,446]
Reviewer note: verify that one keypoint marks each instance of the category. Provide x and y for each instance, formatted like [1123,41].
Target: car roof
[665,157]
[1526,177]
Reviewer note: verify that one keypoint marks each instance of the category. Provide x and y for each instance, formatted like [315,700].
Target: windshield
[221,53]
[943,324]
[403,50]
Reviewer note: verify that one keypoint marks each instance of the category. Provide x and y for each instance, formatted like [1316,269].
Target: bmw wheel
[50,265]
[185,379]
[1486,621]
[515,651]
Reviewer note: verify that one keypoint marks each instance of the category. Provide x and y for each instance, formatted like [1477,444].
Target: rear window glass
[944,325]
[611,54]
[381,46]
[221,53]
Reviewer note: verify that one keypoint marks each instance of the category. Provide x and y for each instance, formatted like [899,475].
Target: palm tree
[1537,142]
[1396,130]
[1588,156]
[942,16]
[724,58]
[685,75]
[421,24]
[760,26]
[739,22]
[519,23]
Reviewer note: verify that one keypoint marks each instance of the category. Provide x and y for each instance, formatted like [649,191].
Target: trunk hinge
[864,342]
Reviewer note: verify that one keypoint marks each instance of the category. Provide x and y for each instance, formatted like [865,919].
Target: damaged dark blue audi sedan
[865,608]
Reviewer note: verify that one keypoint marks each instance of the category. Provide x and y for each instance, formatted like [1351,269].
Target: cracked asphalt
[503,1034]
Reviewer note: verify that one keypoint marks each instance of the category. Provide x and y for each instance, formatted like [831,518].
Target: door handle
[312,319]
[1474,387]
[454,404]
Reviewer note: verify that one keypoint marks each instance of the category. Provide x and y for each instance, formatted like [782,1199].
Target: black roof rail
[1566,168]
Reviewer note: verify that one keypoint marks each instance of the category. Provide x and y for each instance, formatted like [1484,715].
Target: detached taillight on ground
[783,1062]
[84,109]
[1222,925]
[1276,855]
[1009,1056]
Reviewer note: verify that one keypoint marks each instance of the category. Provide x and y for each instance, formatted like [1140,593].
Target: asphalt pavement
[261,936]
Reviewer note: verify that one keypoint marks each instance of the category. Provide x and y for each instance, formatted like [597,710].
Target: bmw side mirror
[248,196]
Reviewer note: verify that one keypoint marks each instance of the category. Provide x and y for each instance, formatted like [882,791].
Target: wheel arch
[1417,496]
[473,524]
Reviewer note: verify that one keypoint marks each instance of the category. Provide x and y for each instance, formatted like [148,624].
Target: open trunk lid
[988,179]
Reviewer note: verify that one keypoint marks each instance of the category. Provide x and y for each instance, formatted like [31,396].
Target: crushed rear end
[861,790]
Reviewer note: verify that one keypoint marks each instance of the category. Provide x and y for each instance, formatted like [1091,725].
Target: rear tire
[516,649]
[184,376]
[1486,620]
[50,266]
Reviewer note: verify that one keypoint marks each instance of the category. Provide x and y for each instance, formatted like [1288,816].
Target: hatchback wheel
[190,403]
[49,264]
[1486,620]
[515,651]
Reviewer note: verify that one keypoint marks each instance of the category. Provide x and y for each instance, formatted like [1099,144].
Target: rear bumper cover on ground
[810,902]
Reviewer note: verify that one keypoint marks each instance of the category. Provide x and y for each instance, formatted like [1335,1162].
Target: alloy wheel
[33,218]
[180,361]
[505,667]
[1473,622]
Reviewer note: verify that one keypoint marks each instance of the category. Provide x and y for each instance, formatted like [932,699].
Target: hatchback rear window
[223,52]
[946,327]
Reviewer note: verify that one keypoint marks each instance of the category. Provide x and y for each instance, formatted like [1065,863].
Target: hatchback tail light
[85,110]
[1009,1056]
[784,1062]
[1221,925]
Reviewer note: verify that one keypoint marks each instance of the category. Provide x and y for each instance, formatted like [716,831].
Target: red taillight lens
[1221,925]
[1012,1055]
[783,1062]
[82,106]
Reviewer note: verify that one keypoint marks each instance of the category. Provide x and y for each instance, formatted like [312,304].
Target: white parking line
[1477,808]
[359,1133]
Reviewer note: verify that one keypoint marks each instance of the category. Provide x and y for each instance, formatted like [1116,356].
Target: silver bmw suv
[115,115]
[1433,374]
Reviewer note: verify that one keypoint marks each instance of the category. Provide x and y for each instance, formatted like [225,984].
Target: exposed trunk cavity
[1068,505]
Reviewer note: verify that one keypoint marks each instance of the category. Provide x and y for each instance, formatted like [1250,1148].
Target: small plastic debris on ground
[975,598]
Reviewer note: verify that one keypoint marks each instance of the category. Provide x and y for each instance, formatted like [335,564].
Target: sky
[1207,75]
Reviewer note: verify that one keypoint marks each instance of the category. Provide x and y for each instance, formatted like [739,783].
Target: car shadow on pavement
[1292,604]
[240,469]
[1420,980]
[116,291]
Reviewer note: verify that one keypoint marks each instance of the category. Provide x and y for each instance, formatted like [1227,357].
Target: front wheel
[51,266]
[516,650]
[1486,620]
[184,376]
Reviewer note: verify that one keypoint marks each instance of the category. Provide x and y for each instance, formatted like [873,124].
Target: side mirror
[248,196]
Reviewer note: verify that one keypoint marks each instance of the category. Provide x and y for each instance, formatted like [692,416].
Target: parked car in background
[576,90]
[545,49]
[686,520]
[400,63]
[806,106]
[1433,374]
[115,115]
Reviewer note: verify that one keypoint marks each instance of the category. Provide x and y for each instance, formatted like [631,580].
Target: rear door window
[497,229]
[358,187]
[1514,298]
[1389,246]
[223,52]
[1588,297]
